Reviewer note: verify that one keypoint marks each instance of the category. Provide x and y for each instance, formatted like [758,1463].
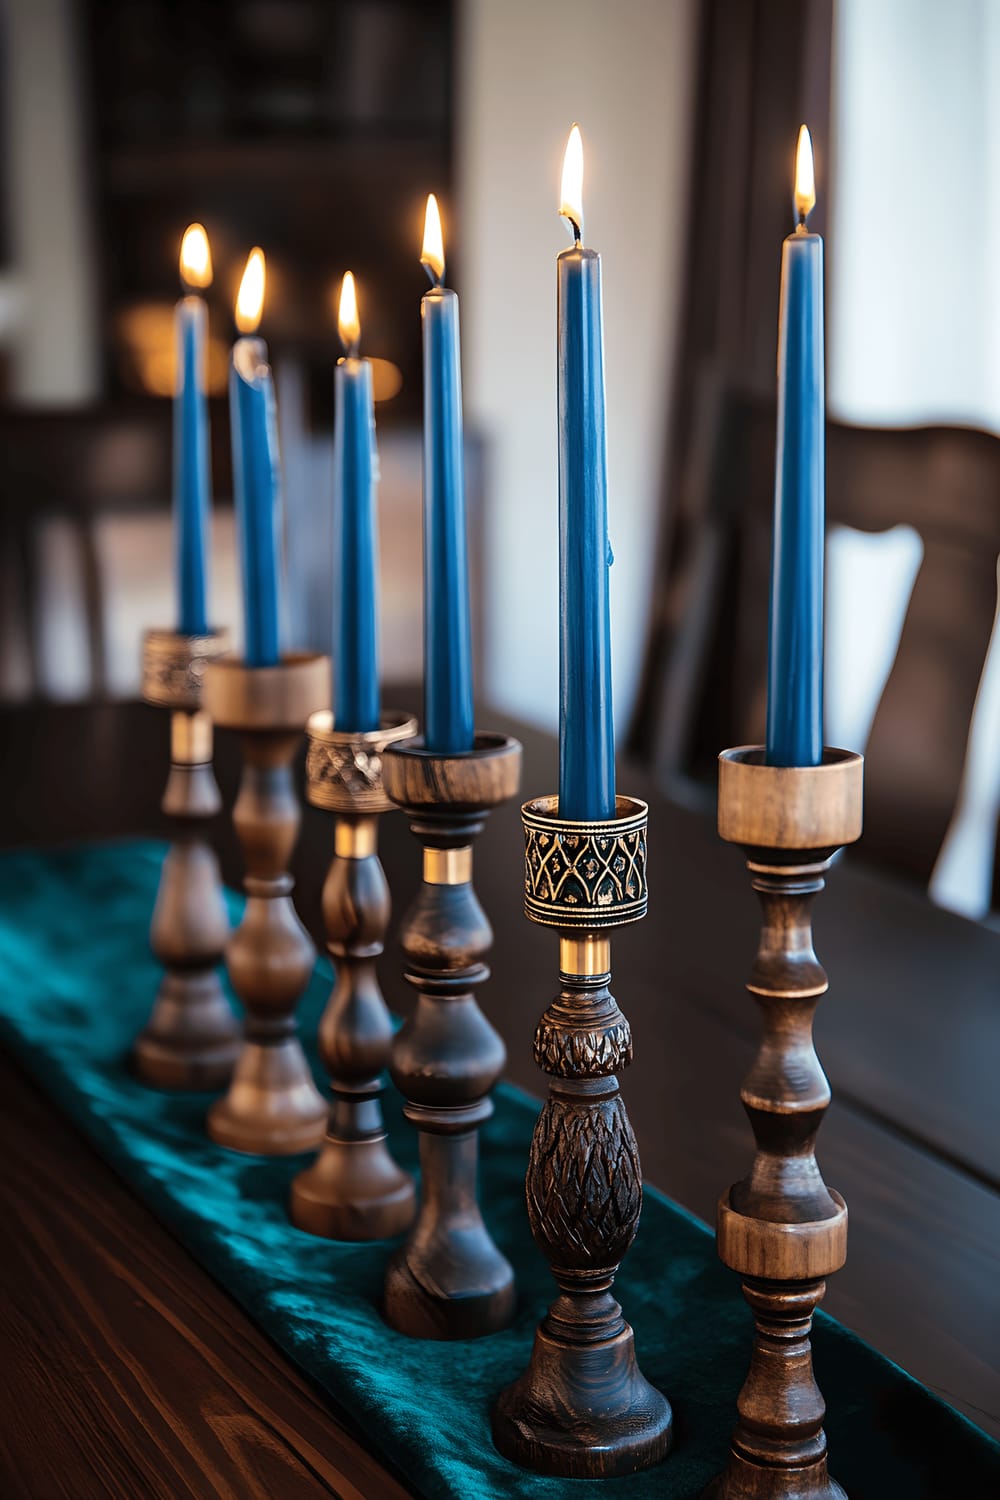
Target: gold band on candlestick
[448,866]
[588,955]
[355,838]
[190,738]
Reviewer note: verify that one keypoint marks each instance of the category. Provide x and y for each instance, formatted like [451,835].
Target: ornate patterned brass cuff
[584,875]
[344,768]
[173,666]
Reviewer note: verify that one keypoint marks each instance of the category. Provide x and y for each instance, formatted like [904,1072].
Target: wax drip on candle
[805,179]
[348,318]
[571,191]
[432,253]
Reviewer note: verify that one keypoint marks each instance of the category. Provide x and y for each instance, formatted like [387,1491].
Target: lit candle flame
[250,298]
[348,319]
[805,177]
[571,192]
[196,258]
[432,254]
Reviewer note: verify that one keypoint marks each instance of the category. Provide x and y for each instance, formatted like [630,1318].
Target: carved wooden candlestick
[782,1229]
[583,1408]
[273,1107]
[192,1038]
[449,1280]
[354,1190]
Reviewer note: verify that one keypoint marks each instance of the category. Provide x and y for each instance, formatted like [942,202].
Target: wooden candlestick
[192,1038]
[354,1190]
[449,1280]
[583,1408]
[782,1229]
[273,1107]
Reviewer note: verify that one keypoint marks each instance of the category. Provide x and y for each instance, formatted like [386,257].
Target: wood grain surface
[126,1371]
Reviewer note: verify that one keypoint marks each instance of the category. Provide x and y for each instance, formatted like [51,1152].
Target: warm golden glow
[196,258]
[348,321]
[805,179]
[571,192]
[250,298]
[387,379]
[432,254]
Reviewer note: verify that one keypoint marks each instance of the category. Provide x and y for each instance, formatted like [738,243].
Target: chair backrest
[77,465]
[709,645]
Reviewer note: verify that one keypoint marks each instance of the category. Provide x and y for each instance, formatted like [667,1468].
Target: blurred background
[315,128]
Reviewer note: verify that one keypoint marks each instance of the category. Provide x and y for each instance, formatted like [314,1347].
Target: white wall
[47,301]
[914,286]
[527,70]
[914,331]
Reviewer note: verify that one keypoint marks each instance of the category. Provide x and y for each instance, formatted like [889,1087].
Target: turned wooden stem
[354,1190]
[192,1038]
[583,1408]
[272,1107]
[781,1228]
[449,1280]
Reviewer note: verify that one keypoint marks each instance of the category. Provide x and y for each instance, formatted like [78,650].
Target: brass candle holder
[583,1408]
[449,1280]
[354,1190]
[272,1107]
[192,1037]
[781,1229]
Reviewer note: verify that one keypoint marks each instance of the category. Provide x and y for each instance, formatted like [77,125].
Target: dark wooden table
[126,1371]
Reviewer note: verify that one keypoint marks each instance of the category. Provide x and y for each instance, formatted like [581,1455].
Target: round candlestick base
[272,1107]
[353,1191]
[583,1410]
[192,1039]
[454,1311]
[747,1481]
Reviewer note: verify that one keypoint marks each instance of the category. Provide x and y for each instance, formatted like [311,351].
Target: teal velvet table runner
[76,984]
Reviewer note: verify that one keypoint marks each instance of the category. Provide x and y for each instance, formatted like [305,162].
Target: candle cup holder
[583,1408]
[354,1190]
[781,1229]
[449,1280]
[192,1038]
[273,1107]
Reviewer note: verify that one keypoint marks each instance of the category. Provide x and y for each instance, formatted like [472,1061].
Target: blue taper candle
[448,720]
[356,695]
[795,648]
[192,478]
[256,475]
[586,725]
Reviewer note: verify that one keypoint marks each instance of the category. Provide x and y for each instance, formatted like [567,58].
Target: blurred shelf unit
[314,128]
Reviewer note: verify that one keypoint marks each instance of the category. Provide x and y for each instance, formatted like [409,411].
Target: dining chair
[75,466]
[704,683]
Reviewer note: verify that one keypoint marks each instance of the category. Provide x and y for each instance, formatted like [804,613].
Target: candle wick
[577,234]
[802,227]
[432,275]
